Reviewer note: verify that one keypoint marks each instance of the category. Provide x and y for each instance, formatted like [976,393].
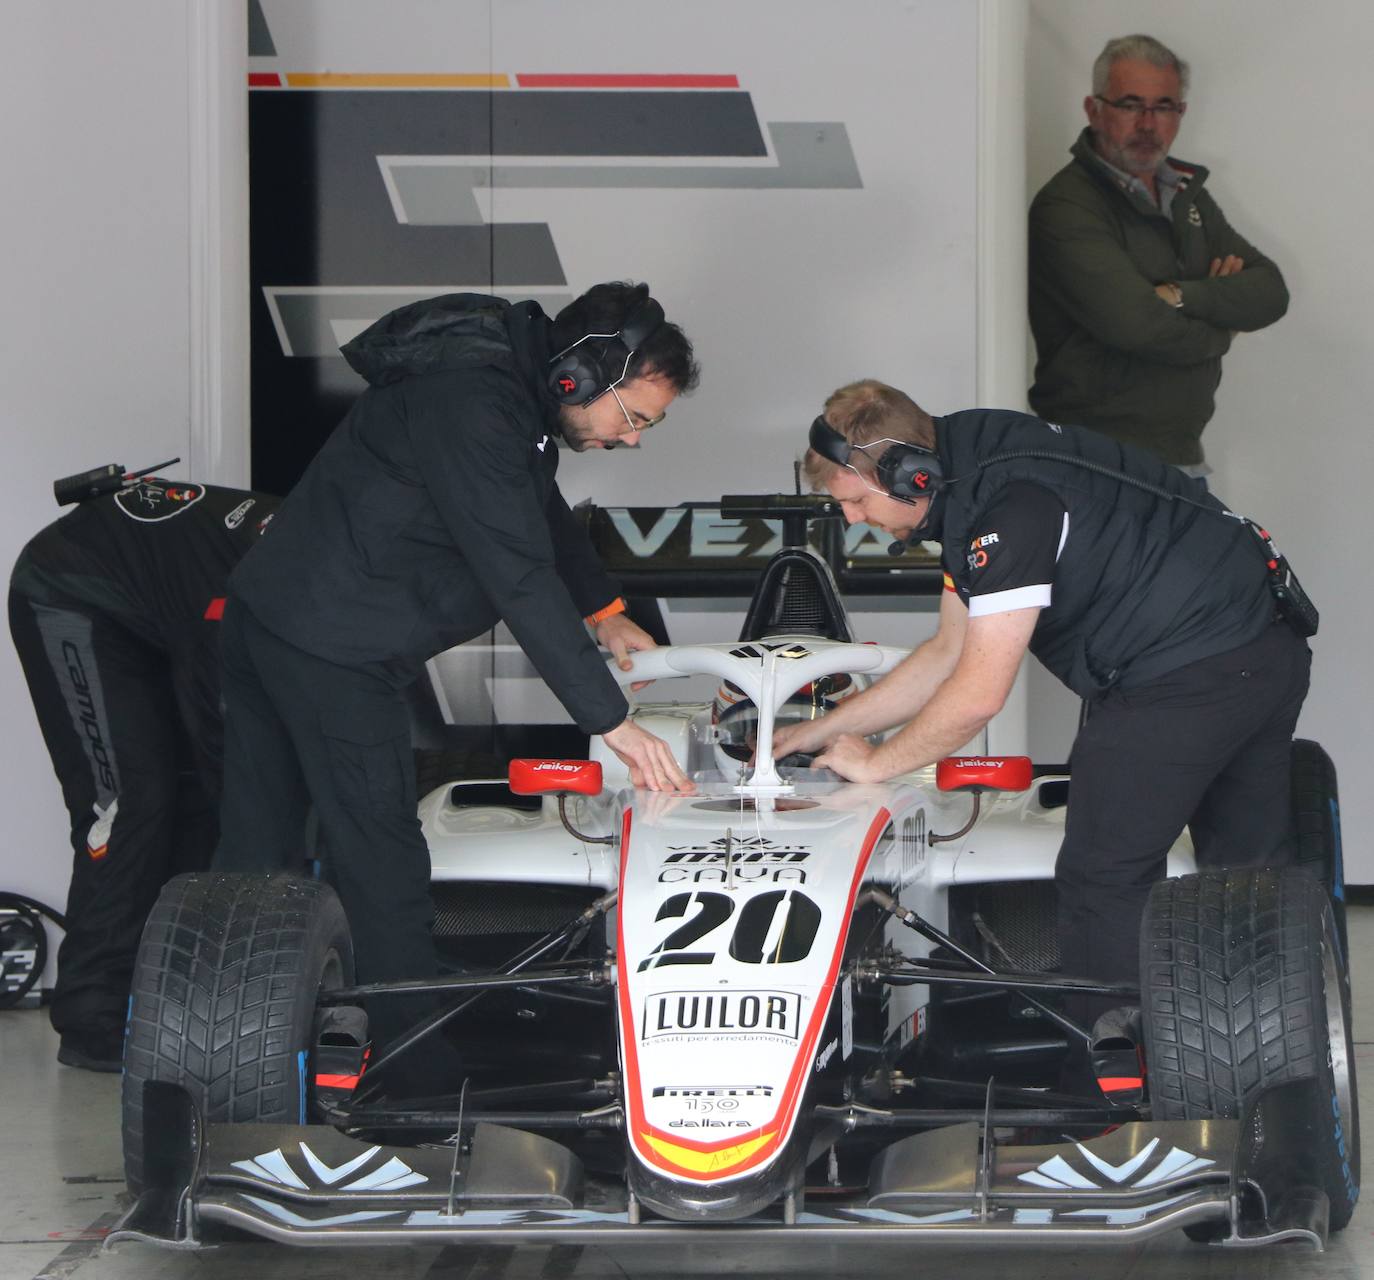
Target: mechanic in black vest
[1156,610]
[431,513]
[114,610]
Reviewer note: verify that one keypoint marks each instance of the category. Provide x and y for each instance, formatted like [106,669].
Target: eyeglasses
[1137,107]
[633,425]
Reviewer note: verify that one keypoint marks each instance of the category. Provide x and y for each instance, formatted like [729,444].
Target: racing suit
[114,610]
[431,512]
[1156,609]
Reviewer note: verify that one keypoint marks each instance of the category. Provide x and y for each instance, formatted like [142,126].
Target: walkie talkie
[100,481]
[1294,604]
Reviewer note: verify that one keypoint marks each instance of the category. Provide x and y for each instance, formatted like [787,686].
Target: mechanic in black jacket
[431,513]
[1156,611]
[114,610]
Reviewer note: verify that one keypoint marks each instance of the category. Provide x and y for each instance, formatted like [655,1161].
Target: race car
[784,1004]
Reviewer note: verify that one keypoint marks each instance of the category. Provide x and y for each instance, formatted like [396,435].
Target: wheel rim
[1337,1037]
[331,976]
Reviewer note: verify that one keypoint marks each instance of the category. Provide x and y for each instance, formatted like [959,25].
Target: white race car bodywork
[780,1006]
[735,902]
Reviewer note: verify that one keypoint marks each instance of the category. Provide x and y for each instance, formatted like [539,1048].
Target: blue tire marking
[1338,870]
[300,1069]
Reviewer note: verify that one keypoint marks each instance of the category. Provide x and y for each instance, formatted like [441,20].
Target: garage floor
[61,1188]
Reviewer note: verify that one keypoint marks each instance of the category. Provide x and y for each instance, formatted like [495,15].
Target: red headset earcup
[908,472]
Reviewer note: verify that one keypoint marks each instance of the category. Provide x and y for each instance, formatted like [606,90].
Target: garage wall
[1278,94]
[94,359]
[122,239]
[779,182]
[125,338]
[812,209]
[117,338]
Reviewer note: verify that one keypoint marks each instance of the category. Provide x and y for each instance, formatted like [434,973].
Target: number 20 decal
[777,927]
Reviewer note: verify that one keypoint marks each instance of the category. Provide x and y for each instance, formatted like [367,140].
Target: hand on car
[851,757]
[649,759]
[805,735]
[622,637]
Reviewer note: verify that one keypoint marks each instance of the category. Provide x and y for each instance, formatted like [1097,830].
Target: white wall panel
[786,293]
[93,335]
[1278,99]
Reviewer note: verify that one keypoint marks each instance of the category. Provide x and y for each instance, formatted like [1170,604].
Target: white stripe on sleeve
[1035,597]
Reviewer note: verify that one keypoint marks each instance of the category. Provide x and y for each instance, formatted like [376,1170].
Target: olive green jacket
[1111,354]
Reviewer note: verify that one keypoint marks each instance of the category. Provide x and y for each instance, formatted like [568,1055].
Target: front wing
[315,1186]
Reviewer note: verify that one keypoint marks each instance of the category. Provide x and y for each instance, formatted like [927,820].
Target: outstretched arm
[894,699]
[975,692]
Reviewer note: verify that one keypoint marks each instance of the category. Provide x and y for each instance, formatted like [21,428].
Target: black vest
[1144,585]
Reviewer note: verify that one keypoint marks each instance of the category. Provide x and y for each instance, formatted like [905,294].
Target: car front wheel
[224,998]
[1243,986]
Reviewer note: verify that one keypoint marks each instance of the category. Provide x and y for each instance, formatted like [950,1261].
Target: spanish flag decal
[721,1161]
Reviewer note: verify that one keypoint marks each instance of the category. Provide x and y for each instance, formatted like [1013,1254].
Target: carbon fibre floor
[60,1188]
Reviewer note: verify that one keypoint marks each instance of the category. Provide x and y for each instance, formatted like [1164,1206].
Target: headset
[579,376]
[906,471]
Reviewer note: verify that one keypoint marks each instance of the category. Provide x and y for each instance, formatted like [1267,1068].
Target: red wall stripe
[264,80]
[626,82]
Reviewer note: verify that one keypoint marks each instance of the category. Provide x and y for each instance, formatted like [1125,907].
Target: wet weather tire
[1243,986]
[1317,824]
[224,996]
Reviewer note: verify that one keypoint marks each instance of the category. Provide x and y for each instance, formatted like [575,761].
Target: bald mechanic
[1131,584]
[430,514]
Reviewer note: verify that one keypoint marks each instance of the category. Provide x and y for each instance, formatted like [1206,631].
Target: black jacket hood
[453,331]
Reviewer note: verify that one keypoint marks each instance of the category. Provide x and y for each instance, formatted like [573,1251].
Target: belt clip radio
[1294,604]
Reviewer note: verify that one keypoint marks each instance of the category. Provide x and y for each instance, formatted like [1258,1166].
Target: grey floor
[60,1188]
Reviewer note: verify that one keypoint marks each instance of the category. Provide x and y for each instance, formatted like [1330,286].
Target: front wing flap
[315,1186]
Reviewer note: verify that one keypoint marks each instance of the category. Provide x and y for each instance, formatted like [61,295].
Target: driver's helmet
[735,718]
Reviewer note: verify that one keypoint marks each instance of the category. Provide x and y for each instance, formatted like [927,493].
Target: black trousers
[299,730]
[1208,747]
[141,810]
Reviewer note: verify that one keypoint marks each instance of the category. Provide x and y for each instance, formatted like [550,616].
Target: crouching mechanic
[431,513]
[114,610]
[1131,584]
